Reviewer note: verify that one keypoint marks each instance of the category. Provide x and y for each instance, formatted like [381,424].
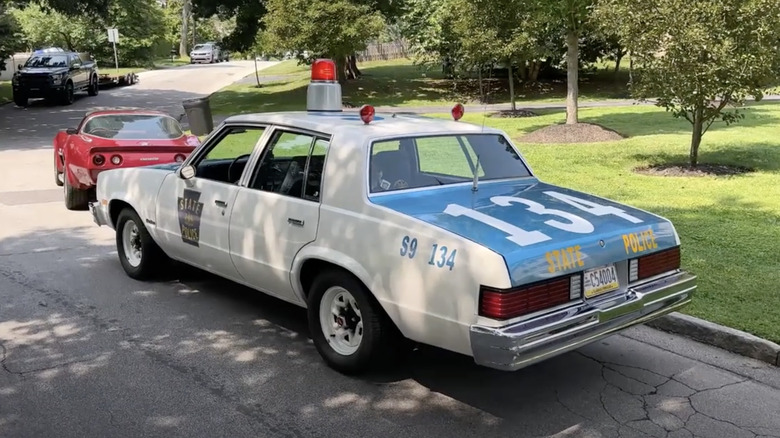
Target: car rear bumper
[99,214]
[524,343]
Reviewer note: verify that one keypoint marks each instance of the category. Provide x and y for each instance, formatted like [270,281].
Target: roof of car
[109,112]
[383,125]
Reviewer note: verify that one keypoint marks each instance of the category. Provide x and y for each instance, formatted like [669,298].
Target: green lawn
[5,92]
[120,71]
[400,83]
[729,226]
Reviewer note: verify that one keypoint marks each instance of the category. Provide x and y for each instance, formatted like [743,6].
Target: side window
[283,166]
[450,155]
[314,169]
[225,161]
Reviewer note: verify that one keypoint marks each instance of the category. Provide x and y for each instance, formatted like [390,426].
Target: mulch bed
[575,133]
[686,170]
[513,114]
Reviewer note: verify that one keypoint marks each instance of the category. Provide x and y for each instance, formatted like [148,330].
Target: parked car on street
[112,139]
[209,52]
[56,75]
[390,227]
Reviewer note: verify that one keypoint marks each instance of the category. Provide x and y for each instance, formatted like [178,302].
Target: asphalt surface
[87,352]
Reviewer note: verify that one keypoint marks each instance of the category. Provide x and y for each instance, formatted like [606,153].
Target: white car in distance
[389,227]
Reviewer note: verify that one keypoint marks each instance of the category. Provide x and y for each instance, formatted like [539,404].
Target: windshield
[133,127]
[47,61]
[202,47]
[427,161]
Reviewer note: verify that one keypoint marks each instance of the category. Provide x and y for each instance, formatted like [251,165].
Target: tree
[429,26]
[140,24]
[324,28]
[698,58]
[574,15]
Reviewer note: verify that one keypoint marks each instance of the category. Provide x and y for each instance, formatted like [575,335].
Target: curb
[725,338]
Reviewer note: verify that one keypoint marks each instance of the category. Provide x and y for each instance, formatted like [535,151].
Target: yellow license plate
[600,281]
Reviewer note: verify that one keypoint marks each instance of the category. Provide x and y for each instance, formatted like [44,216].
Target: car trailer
[106,79]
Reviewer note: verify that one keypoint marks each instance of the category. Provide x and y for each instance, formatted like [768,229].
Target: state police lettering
[189,217]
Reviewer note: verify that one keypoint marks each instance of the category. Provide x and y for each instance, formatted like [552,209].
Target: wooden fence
[383,51]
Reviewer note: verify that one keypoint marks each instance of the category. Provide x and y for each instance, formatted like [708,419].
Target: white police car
[388,227]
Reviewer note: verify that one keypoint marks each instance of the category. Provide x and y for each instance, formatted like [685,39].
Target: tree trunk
[698,125]
[618,58]
[572,67]
[481,91]
[352,62]
[512,86]
[630,72]
[536,67]
[341,68]
[185,20]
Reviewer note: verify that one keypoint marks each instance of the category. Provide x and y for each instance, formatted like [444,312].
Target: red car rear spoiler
[150,148]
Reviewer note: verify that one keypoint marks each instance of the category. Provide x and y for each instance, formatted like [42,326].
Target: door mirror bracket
[187,172]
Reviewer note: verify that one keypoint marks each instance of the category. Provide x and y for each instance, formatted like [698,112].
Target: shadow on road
[252,354]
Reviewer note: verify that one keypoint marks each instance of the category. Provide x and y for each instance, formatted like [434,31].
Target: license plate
[600,281]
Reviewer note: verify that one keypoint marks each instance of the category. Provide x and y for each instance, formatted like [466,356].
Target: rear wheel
[348,326]
[94,86]
[75,199]
[58,176]
[138,253]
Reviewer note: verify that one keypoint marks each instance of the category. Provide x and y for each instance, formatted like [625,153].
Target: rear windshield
[414,162]
[133,127]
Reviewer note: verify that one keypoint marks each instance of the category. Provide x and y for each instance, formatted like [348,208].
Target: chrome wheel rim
[131,242]
[341,321]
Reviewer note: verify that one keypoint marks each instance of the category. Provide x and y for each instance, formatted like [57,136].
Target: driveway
[87,352]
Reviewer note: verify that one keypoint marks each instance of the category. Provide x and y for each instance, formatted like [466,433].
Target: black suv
[55,75]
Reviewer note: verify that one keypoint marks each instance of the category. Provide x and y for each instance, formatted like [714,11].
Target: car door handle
[292,221]
[219,203]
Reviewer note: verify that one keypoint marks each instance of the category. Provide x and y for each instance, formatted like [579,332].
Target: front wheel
[68,94]
[138,253]
[20,100]
[348,326]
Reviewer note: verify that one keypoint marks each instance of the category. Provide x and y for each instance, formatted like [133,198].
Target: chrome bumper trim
[525,343]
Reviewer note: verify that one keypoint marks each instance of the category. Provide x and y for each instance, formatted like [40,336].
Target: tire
[58,174]
[94,87]
[75,199]
[142,260]
[20,100]
[379,340]
[68,94]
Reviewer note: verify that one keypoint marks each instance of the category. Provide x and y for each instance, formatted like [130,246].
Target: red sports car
[111,139]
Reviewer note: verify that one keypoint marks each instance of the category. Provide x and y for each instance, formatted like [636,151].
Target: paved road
[87,352]
[33,127]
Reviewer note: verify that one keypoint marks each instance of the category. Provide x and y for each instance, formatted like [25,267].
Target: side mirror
[20,66]
[75,66]
[187,172]
[71,131]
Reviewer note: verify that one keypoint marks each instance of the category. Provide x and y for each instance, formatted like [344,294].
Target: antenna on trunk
[475,185]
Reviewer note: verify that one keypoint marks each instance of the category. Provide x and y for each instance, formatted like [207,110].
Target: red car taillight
[99,160]
[179,158]
[654,264]
[510,303]
[116,160]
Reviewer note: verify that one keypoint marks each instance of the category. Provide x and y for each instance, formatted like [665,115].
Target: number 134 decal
[565,221]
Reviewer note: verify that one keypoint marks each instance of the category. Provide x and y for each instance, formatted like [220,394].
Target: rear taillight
[116,160]
[510,303]
[99,160]
[179,158]
[654,264]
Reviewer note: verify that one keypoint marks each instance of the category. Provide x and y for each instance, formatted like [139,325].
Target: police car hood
[529,223]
